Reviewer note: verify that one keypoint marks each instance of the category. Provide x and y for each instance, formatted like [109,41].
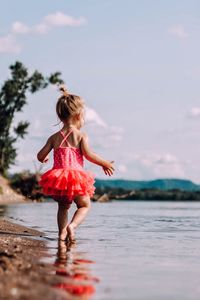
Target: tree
[13,96]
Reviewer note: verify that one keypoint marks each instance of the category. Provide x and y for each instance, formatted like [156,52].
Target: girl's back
[67,150]
[73,139]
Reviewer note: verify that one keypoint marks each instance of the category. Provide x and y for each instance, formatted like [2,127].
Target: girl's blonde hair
[68,105]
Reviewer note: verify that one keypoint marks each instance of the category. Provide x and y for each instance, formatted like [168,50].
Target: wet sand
[23,274]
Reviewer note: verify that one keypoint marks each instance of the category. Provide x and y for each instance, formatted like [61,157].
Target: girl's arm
[94,158]
[42,155]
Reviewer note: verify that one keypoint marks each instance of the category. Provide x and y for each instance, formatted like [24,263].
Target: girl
[67,181]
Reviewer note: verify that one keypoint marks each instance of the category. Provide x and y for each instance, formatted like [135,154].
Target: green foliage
[54,78]
[21,129]
[26,183]
[13,97]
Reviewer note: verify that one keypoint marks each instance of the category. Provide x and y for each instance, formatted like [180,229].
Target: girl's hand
[108,170]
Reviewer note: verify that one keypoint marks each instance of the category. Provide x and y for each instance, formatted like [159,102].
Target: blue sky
[136,64]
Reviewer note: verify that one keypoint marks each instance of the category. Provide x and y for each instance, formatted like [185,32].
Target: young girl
[67,181]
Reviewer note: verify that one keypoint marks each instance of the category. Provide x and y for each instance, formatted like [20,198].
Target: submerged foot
[71,233]
[62,236]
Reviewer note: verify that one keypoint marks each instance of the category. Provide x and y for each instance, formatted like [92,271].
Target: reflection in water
[75,269]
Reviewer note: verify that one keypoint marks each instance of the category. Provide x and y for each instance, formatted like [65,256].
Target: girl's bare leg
[62,216]
[83,206]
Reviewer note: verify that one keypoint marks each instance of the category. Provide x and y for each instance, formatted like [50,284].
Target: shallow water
[141,250]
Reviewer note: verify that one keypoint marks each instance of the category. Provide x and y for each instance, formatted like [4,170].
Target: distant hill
[162,184]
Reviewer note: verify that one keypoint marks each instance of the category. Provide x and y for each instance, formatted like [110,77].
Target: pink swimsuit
[67,179]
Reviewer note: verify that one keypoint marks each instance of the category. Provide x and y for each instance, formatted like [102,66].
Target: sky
[135,63]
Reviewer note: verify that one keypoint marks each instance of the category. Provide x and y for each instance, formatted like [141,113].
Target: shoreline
[23,274]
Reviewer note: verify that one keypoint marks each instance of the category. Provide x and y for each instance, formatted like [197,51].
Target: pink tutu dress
[67,179]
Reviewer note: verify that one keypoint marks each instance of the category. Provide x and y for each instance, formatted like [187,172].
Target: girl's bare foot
[62,236]
[70,231]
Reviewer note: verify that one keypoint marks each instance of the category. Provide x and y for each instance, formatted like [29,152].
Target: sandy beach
[23,275]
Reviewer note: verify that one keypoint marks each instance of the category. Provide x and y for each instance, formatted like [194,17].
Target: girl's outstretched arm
[42,155]
[94,158]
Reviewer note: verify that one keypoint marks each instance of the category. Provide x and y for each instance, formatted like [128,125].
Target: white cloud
[166,158]
[8,44]
[19,28]
[104,135]
[122,168]
[178,31]
[195,112]
[91,116]
[60,19]
[40,28]
[115,133]
[156,165]
[57,19]
[168,165]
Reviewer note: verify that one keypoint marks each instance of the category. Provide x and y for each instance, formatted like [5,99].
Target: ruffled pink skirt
[67,184]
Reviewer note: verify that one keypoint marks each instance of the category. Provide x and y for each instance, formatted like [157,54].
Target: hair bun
[64,90]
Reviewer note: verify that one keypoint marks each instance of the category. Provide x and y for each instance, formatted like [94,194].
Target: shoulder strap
[65,137]
[62,133]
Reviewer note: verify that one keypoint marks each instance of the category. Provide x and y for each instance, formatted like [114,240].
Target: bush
[27,184]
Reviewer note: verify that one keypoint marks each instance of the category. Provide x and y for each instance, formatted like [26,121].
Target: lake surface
[140,250]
